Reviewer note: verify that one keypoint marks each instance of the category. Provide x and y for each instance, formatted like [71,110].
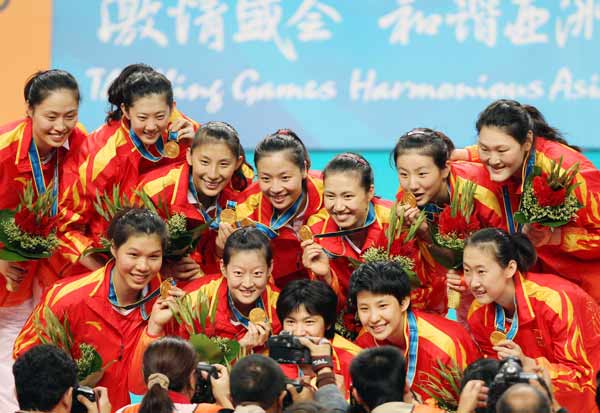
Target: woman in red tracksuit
[542,319]
[282,200]
[34,149]
[211,179]
[143,131]
[108,308]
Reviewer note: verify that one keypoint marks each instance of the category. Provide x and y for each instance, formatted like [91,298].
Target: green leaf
[206,349]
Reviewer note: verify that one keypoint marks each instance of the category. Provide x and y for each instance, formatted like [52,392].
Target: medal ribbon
[279,221]
[241,318]
[213,223]
[413,346]
[500,322]
[38,175]
[160,146]
[369,220]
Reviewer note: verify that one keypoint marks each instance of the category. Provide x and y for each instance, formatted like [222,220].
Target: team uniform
[283,228]
[558,325]
[87,302]
[577,258]
[431,339]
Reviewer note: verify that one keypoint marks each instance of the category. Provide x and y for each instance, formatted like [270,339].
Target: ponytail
[541,128]
[157,400]
[505,247]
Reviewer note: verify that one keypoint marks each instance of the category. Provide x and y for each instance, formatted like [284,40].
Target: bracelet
[324,379]
[320,362]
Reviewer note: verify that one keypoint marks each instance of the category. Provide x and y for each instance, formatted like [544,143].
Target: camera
[86,392]
[287,400]
[286,349]
[203,390]
[510,372]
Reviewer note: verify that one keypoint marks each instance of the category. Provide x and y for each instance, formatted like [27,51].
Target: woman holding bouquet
[33,152]
[542,319]
[422,157]
[108,308]
[282,200]
[143,131]
[516,144]
[209,182]
[352,222]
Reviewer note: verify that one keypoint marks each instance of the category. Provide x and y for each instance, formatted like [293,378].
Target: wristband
[324,379]
[320,362]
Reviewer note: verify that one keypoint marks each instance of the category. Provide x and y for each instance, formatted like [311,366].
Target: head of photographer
[175,382]
[540,319]
[46,381]
[307,310]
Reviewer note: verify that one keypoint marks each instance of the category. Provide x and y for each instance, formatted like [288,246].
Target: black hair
[427,142]
[41,84]
[506,403]
[517,120]
[598,389]
[175,358]
[284,140]
[386,278]
[136,83]
[224,133]
[505,247]
[481,369]
[115,90]
[247,239]
[317,297]
[351,162]
[42,377]
[379,375]
[256,379]
[132,221]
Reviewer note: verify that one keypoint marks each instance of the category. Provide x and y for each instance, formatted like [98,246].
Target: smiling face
[213,165]
[303,324]
[247,274]
[346,200]
[138,261]
[419,175]
[486,279]
[53,119]
[280,180]
[502,154]
[148,117]
[382,315]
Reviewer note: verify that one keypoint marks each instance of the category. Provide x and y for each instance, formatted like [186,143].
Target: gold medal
[305,233]
[228,216]
[409,199]
[257,315]
[496,337]
[171,149]
[165,286]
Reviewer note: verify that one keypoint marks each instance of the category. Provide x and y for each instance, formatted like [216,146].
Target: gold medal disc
[257,315]
[305,233]
[496,337]
[409,199]
[171,149]
[228,216]
[165,286]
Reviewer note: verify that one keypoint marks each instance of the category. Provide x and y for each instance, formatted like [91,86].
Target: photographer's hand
[305,395]
[473,395]
[507,348]
[220,387]
[102,404]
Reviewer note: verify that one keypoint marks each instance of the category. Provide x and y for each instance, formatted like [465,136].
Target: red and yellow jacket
[215,288]
[440,340]
[287,254]
[93,320]
[343,351]
[108,158]
[15,171]
[425,297]
[559,326]
[171,185]
[577,258]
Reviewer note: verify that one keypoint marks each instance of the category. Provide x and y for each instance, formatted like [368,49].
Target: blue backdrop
[344,74]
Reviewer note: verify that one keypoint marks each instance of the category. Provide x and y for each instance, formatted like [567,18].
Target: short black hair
[257,379]
[506,403]
[386,278]
[379,375]
[317,298]
[42,377]
[481,369]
